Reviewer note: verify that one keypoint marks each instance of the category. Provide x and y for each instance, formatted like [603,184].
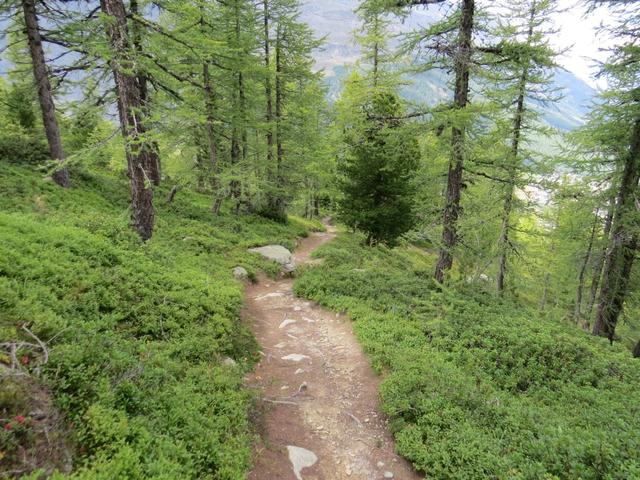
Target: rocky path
[320,418]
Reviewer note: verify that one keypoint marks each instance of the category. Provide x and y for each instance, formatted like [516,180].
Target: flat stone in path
[286,322]
[301,458]
[296,357]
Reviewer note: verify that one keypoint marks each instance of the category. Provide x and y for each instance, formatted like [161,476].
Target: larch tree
[45,95]
[451,40]
[523,76]
[621,110]
[131,113]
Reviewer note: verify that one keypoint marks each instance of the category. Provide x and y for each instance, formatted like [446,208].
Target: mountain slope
[336,21]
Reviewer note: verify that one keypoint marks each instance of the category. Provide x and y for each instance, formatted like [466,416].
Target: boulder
[240,273]
[278,254]
[229,362]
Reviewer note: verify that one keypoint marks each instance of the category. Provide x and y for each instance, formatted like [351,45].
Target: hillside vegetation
[476,387]
[137,334]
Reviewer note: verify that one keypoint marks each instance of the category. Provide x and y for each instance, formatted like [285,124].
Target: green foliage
[477,387]
[136,331]
[376,173]
[20,147]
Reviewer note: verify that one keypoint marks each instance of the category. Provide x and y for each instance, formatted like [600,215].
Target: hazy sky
[580,33]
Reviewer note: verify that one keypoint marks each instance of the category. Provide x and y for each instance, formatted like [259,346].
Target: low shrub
[477,387]
[137,332]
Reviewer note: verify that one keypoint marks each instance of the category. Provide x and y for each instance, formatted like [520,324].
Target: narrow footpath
[320,418]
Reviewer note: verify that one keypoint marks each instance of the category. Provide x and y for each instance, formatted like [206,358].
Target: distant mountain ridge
[336,21]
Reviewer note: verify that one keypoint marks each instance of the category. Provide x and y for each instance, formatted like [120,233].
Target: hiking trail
[320,418]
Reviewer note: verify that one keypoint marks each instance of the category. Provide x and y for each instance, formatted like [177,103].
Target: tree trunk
[577,313]
[599,264]
[624,242]
[376,52]
[512,168]
[316,206]
[210,119]
[212,145]
[636,350]
[504,233]
[462,60]
[130,110]
[279,197]
[153,156]
[45,96]
[267,83]
[543,300]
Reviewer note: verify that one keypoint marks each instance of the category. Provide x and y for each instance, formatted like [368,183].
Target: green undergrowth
[137,333]
[478,388]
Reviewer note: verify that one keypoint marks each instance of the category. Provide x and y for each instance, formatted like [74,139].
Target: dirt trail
[320,418]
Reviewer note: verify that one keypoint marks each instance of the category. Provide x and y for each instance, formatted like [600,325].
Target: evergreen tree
[382,155]
[621,111]
[131,112]
[522,76]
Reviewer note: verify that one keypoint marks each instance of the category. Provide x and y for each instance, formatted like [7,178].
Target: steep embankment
[137,335]
[477,388]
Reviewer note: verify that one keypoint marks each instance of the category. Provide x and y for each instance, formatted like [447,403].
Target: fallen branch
[279,402]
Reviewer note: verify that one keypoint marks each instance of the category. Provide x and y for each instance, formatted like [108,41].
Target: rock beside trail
[229,362]
[240,273]
[278,254]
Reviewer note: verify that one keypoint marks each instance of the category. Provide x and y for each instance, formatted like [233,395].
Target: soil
[318,393]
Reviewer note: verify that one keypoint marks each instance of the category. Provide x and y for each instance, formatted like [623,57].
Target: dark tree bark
[511,184]
[153,157]
[267,84]
[636,350]
[212,144]
[172,193]
[130,110]
[47,106]
[209,105]
[376,55]
[512,167]
[624,243]
[279,205]
[462,61]
[599,264]
[577,312]
[239,133]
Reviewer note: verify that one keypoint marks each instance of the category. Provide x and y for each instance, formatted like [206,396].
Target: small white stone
[296,357]
[388,475]
[299,371]
[297,308]
[269,295]
[287,322]
[380,464]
